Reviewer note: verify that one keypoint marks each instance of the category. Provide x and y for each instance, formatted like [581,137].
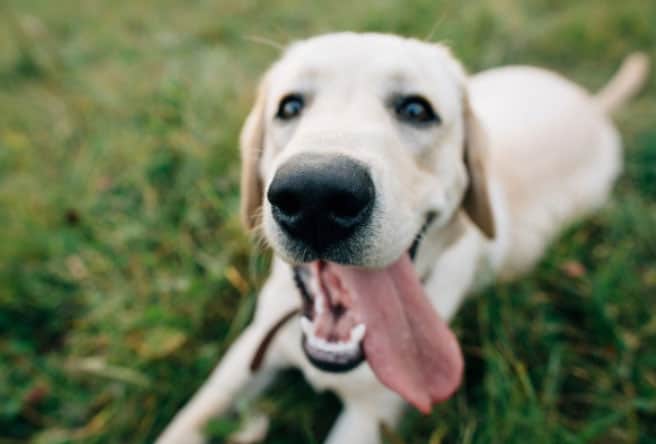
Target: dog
[390,184]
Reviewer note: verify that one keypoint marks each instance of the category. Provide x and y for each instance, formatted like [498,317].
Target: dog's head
[356,144]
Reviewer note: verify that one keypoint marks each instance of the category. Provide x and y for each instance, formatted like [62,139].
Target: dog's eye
[290,106]
[415,109]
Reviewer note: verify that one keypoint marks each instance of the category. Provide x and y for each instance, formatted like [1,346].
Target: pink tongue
[409,347]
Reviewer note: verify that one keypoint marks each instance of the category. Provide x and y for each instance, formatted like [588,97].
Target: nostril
[287,202]
[346,208]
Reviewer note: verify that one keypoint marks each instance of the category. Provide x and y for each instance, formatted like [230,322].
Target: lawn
[125,274]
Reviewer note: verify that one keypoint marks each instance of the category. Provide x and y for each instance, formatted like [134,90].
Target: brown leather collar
[260,353]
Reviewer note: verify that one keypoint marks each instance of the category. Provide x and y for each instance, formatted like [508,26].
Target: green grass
[124,273]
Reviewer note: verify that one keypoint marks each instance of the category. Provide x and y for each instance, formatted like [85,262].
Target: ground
[125,273]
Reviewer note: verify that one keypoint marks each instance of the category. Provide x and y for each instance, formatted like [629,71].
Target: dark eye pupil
[290,107]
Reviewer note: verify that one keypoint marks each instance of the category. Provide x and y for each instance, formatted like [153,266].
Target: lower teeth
[351,346]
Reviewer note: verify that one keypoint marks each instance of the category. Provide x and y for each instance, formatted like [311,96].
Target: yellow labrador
[389,185]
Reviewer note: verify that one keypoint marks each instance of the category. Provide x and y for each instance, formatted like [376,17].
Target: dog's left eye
[415,109]
[290,106]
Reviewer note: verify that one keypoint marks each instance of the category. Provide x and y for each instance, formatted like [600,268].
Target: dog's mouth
[333,329]
[382,315]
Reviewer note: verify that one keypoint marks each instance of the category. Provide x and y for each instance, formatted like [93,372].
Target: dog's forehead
[382,58]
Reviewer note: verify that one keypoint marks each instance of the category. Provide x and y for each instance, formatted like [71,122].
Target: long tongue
[409,347]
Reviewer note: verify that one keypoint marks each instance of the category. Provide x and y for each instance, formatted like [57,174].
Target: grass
[124,273]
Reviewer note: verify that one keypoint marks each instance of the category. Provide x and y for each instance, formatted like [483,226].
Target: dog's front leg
[360,421]
[244,371]
[231,377]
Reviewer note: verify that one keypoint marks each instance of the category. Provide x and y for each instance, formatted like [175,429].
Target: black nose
[321,199]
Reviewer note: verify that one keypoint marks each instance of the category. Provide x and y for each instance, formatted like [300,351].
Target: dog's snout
[320,199]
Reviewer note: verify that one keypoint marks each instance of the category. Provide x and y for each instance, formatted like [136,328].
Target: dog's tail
[626,83]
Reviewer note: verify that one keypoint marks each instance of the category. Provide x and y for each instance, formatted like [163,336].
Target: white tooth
[312,341]
[331,347]
[317,342]
[318,295]
[358,332]
[347,347]
[307,326]
[318,303]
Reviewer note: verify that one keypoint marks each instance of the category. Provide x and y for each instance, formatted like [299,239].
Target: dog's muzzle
[321,200]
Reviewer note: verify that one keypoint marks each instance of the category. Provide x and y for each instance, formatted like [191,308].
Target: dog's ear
[251,141]
[477,203]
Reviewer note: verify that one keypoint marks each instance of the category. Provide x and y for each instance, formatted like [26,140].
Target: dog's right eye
[290,106]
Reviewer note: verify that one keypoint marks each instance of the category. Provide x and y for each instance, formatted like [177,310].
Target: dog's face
[355,143]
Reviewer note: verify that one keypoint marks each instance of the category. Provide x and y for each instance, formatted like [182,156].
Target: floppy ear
[251,141]
[477,200]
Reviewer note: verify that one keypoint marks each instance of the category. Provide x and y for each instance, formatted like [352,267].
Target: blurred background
[124,272]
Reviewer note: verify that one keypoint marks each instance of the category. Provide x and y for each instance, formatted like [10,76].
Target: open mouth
[382,315]
[333,329]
